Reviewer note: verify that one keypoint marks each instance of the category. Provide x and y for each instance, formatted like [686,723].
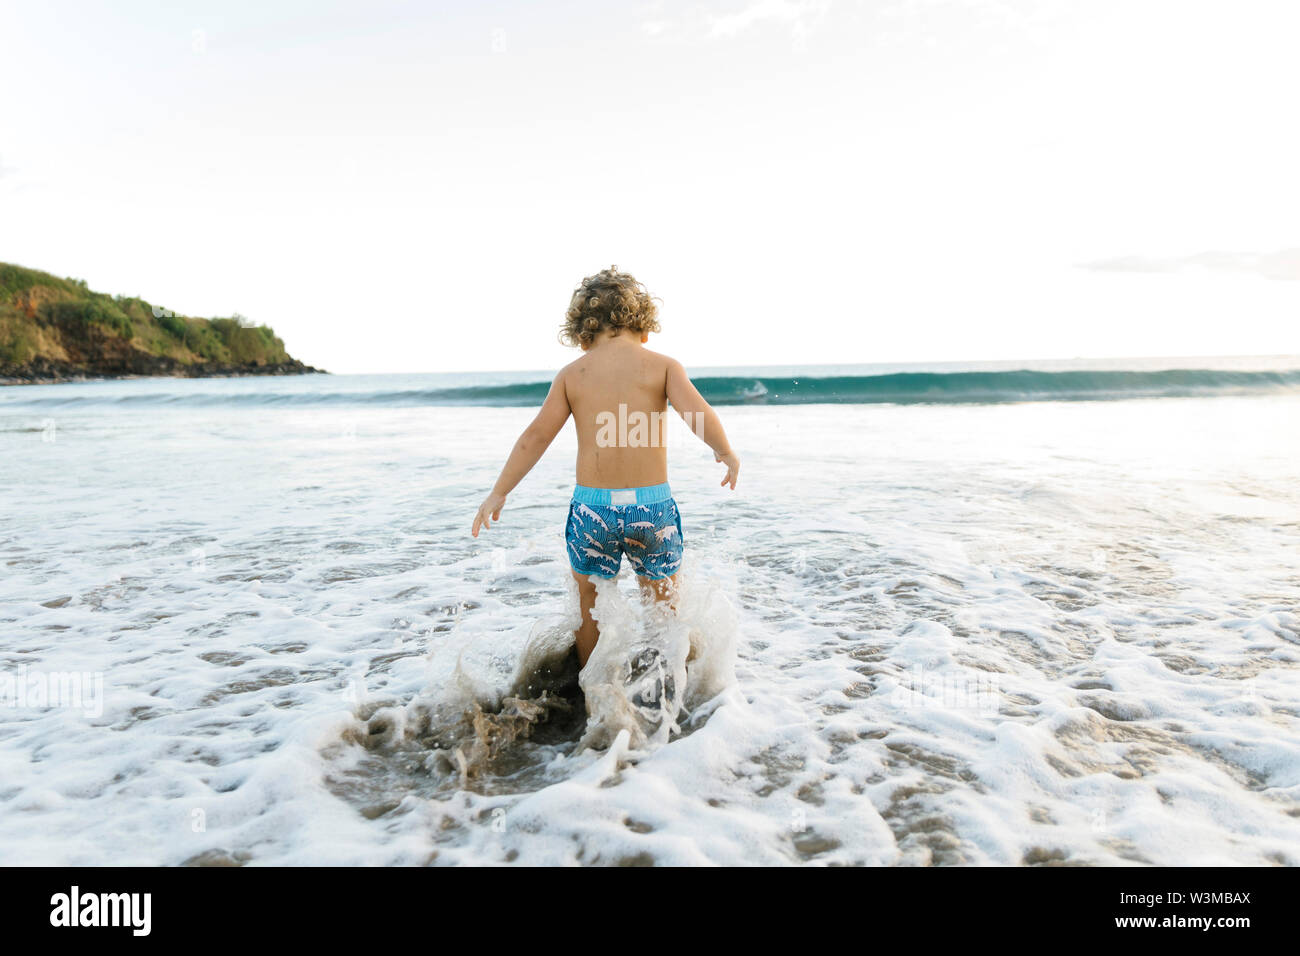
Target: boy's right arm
[699,414]
[530,447]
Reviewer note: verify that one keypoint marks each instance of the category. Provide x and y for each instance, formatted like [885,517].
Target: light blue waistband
[646,495]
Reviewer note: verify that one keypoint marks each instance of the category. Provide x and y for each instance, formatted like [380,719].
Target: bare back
[618,395]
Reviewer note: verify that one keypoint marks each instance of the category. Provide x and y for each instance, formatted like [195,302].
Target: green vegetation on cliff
[60,327]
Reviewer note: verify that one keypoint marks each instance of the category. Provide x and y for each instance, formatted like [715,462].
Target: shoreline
[54,375]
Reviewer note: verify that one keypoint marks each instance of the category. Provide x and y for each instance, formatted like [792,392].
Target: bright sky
[419,186]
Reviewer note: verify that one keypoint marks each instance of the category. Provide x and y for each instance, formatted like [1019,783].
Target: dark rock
[137,364]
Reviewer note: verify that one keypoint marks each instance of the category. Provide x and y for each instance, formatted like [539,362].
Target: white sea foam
[976,634]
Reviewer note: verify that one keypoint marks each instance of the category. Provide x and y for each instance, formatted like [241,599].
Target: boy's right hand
[488,511]
[732,461]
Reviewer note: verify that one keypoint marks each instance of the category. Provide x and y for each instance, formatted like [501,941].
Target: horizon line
[925,362]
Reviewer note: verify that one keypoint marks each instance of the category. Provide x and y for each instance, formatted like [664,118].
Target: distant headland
[57,330]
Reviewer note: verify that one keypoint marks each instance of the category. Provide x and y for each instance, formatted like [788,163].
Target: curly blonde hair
[608,300]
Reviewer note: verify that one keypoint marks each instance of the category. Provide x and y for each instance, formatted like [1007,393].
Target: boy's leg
[661,589]
[653,545]
[587,633]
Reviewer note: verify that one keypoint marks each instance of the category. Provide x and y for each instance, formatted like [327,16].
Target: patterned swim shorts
[606,523]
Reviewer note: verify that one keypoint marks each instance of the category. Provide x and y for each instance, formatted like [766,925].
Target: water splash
[497,701]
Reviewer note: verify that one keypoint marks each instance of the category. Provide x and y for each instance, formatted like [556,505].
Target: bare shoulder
[666,362]
[666,359]
[573,373]
[568,369]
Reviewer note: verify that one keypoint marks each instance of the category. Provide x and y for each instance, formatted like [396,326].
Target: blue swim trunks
[606,523]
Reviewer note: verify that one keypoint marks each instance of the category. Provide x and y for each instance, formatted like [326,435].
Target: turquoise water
[989,382]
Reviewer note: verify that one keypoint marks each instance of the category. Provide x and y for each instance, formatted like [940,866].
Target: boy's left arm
[530,447]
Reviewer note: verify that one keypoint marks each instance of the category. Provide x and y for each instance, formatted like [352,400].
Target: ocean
[996,613]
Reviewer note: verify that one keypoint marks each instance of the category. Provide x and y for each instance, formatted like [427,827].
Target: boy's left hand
[490,508]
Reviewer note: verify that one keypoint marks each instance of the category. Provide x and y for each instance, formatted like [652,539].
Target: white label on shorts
[624,496]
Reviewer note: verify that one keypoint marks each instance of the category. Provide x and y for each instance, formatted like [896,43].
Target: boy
[622,504]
